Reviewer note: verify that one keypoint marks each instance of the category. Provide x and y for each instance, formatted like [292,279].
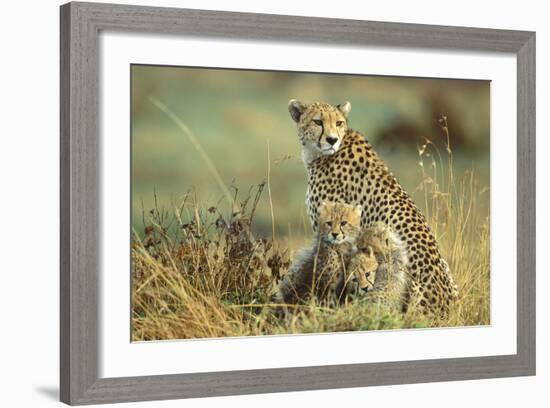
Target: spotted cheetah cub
[318,269]
[380,266]
[361,271]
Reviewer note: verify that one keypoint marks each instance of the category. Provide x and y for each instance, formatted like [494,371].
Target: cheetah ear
[323,209]
[329,205]
[325,205]
[345,108]
[358,210]
[296,108]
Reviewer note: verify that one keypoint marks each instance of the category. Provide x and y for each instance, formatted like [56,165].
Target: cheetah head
[365,276]
[339,222]
[321,127]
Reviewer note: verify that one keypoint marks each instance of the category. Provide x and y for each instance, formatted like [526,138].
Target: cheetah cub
[317,269]
[381,266]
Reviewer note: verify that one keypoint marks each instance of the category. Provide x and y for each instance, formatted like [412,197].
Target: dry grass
[454,207]
[199,272]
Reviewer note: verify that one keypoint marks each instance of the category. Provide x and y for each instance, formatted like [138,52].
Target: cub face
[365,272]
[339,222]
[321,126]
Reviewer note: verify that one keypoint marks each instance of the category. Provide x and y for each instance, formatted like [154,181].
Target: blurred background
[235,114]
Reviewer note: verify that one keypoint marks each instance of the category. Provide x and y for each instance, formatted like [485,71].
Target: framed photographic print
[252,204]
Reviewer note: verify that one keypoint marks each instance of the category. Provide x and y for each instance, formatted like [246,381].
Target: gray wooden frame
[80,192]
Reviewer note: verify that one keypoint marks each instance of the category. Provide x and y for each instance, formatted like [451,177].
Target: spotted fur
[392,284]
[349,170]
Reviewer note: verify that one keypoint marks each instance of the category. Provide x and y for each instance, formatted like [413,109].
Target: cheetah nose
[331,140]
[334,235]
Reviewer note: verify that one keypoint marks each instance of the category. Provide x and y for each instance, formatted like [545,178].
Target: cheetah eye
[339,123]
[328,223]
[343,223]
[318,122]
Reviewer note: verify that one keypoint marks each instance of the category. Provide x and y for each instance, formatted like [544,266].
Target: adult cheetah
[342,166]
